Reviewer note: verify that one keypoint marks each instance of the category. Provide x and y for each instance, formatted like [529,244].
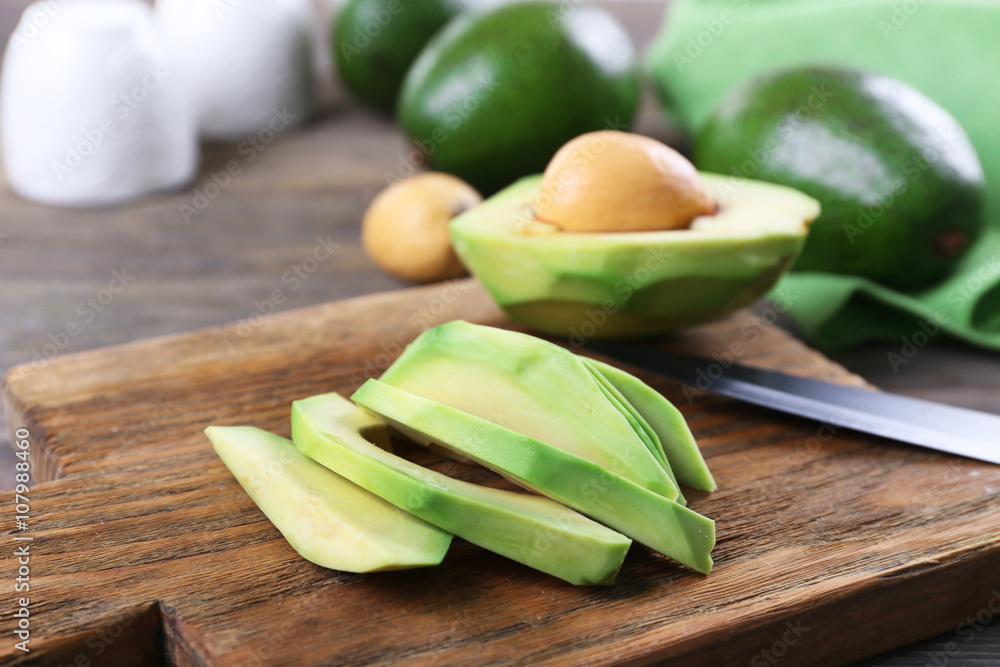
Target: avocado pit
[405,229]
[612,181]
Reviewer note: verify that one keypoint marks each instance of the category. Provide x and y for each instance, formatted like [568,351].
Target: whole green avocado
[374,42]
[900,185]
[496,93]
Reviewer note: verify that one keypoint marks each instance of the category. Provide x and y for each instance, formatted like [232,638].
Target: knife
[942,427]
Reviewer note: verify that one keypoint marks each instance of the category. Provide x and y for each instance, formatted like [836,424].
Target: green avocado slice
[667,421]
[647,517]
[327,519]
[533,386]
[532,530]
[641,426]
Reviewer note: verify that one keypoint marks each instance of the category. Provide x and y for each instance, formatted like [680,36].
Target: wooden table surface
[309,189]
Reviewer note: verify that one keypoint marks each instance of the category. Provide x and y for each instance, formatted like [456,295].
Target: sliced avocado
[666,421]
[640,425]
[901,186]
[531,385]
[608,285]
[532,530]
[325,518]
[495,93]
[653,520]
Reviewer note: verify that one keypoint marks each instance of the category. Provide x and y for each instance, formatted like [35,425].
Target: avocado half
[630,284]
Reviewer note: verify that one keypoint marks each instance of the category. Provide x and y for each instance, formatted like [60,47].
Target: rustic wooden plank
[142,515]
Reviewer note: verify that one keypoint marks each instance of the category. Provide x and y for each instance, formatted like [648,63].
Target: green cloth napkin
[836,311]
[945,48]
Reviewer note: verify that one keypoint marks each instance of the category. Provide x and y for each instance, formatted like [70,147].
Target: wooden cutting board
[145,551]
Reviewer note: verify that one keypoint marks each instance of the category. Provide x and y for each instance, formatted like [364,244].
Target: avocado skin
[496,93]
[373,66]
[858,145]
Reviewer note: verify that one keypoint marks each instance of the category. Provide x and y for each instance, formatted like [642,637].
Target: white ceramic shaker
[90,113]
[247,64]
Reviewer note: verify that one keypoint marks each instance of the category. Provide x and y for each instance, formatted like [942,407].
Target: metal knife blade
[942,427]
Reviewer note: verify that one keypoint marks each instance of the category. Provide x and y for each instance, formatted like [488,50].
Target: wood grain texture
[817,533]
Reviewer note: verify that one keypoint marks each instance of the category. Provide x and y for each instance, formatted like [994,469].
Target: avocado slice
[653,520]
[666,421]
[638,423]
[325,518]
[900,184]
[535,387]
[532,530]
[610,285]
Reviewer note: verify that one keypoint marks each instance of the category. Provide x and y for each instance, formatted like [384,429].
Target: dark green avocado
[374,42]
[900,185]
[496,93]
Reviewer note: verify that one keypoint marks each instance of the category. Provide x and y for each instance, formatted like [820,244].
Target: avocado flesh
[666,421]
[532,530]
[635,420]
[638,423]
[649,518]
[890,214]
[613,285]
[496,93]
[531,385]
[327,519]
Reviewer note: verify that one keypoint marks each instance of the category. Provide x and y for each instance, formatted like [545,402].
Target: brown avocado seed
[405,229]
[612,181]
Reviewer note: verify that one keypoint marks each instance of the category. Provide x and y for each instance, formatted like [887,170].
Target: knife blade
[905,419]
